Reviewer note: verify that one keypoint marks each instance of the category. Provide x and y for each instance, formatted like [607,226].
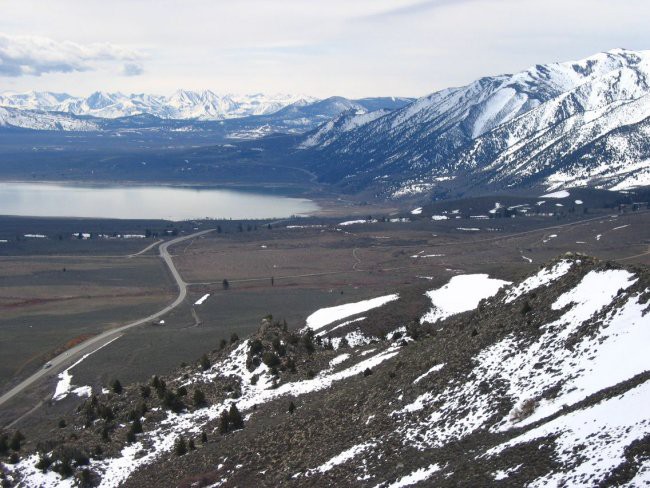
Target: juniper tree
[44,462]
[116,386]
[180,447]
[16,440]
[136,426]
[235,418]
[204,362]
[198,398]
[130,437]
[308,343]
[224,422]
[4,444]
[172,402]
[255,346]
[270,359]
[105,433]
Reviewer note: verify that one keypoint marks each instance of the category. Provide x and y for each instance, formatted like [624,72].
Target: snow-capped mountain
[182,104]
[501,131]
[346,121]
[34,100]
[39,120]
[543,142]
[243,117]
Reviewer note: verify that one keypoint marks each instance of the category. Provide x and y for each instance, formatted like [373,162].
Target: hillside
[478,383]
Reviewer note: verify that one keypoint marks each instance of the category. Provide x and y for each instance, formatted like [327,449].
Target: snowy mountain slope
[239,118]
[186,104]
[619,160]
[37,120]
[47,101]
[347,121]
[496,122]
[535,144]
[182,104]
[546,381]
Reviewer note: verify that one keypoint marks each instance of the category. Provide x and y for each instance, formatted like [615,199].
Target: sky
[352,48]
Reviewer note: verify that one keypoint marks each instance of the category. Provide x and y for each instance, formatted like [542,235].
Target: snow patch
[557,194]
[461,294]
[326,316]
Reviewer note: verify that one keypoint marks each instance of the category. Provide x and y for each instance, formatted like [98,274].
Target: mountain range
[561,124]
[243,118]
[576,123]
[182,104]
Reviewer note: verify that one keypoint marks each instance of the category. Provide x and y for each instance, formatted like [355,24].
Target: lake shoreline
[151,201]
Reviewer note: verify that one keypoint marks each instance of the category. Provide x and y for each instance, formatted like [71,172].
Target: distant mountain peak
[182,104]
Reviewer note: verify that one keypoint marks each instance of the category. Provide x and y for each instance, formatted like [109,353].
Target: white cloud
[132,69]
[34,55]
[337,47]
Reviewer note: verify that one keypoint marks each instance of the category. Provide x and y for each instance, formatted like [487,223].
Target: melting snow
[433,369]
[600,433]
[420,255]
[341,325]
[543,278]
[64,385]
[415,477]
[354,339]
[552,236]
[557,194]
[341,358]
[341,458]
[416,211]
[202,299]
[326,316]
[497,206]
[589,365]
[353,222]
[115,471]
[503,474]
[461,294]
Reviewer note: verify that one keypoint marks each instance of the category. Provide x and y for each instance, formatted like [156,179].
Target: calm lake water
[144,202]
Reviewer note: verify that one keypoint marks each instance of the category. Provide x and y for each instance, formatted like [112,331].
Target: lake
[144,202]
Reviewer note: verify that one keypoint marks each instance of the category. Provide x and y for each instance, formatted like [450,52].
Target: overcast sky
[352,48]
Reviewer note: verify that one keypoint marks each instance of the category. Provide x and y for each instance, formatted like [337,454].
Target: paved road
[66,358]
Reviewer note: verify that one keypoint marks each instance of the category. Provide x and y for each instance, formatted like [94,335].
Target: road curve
[68,357]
